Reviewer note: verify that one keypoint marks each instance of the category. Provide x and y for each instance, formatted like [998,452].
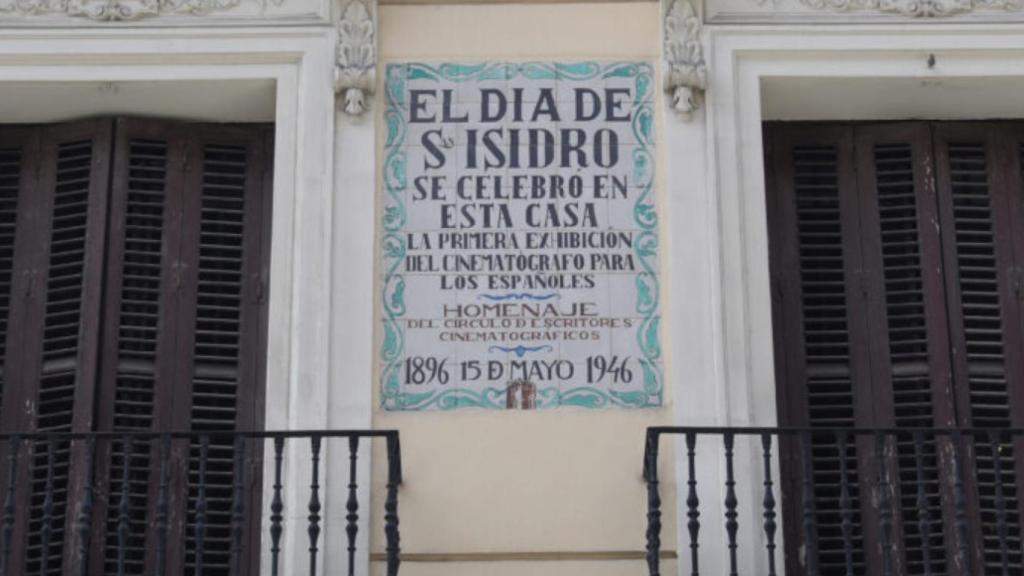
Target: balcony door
[897,253]
[133,266]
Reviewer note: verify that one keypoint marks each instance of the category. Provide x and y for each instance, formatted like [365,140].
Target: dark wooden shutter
[1012,143]
[225,239]
[981,271]
[825,375]
[184,334]
[58,266]
[180,270]
[19,154]
[139,367]
[905,294]
[940,228]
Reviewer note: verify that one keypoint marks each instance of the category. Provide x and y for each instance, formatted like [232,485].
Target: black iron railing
[852,501]
[192,503]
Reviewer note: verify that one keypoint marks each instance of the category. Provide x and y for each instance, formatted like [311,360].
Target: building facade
[312,216]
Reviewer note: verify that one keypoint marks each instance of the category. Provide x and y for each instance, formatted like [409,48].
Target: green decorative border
[393,248]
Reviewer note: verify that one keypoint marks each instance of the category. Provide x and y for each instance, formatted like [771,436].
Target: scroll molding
[355,70]
[685,69]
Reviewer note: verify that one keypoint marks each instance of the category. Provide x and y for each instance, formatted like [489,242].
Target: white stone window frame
[319,361]
[720,331]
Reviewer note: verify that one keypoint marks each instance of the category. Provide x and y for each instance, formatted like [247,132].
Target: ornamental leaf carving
[685,69]
[356,61]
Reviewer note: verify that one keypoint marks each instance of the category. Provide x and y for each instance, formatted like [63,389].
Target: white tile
[578,349]
[622,295]
[618,213]
[424,296]
[427,343]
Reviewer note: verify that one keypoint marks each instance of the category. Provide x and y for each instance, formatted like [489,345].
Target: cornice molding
[727,12]
[915,8]
[117,10]
[356,57]
[685,70]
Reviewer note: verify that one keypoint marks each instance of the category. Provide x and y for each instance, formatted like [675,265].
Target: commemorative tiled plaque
[519,241]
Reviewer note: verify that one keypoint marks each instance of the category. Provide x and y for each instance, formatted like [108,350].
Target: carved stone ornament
[115,10]
[685,69]
[915,8]
[356,65]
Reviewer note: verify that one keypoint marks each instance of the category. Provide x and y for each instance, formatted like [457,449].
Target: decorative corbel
[356,59]
[685,70]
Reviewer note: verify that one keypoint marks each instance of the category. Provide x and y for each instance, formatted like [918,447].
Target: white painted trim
[317,377]
[352,344]
[720,314]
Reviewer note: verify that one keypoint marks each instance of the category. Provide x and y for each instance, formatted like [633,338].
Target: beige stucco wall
[550,492]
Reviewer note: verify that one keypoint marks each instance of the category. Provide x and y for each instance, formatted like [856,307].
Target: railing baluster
[46,530]
[1001,528]
[201,506]
[653,505]
[731,525]
[276,507]
[888,450]
[769,501]
[163,504]
[314,504]
[885,513]
[121,499]
[845,503]
[352,505]
[923,516]
[692,501]
[14,444]
[809,524]
[83,522]
[391,506]
[127,449]
[963,556]
[237,507]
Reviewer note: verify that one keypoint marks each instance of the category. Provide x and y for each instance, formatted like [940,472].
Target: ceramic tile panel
[524,271]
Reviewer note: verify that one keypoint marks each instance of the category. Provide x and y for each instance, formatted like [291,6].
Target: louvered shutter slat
[16,150]
[57,258]
[910,360]
[70,328]
[141,188]
[816,263]
[226,227]
[979,253]
[830,398]
[216,342]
